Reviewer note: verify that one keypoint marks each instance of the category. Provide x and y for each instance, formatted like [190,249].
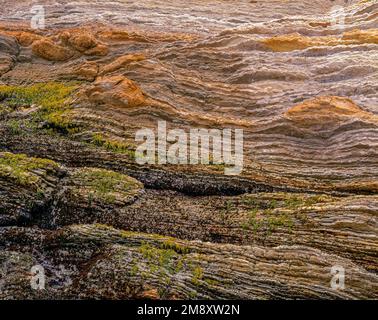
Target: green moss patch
[105,185]
[22,168]
[267,212]
[51,98]
[99,140]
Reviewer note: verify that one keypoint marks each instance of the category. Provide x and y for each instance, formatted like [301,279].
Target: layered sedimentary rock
[107,263]
[301,85]
[9,51]
[27,185]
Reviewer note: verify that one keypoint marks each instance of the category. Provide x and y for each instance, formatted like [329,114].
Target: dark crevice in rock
[74,154]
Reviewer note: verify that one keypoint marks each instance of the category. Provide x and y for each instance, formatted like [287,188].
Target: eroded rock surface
[107,263]
[72,196]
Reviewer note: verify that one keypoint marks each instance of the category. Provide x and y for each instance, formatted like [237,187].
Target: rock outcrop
[75,203]
[108,263]
[116,91]
[8,52]
[27,187]
[49,50]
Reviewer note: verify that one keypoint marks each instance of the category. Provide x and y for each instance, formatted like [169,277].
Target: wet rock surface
[75,203]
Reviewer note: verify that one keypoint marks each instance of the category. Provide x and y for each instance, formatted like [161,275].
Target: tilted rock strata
[345,226]
[136,265]
[280,147]
[318,144]
[27,187]
[94,195]
[116,91]
[302,89]
[299,42]
[9,50]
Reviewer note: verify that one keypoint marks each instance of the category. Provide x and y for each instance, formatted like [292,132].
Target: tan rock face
[327,113]
[116,91]
[6,63]
[79,40]
[297,41]
[178,269]
[121,62]
[49,50]
[87,71]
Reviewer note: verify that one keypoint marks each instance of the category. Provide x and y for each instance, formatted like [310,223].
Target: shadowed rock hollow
[73,95]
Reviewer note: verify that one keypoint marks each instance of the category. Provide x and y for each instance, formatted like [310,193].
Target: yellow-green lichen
[161,262]
[14,127]
[106,185]
[99,140]
[197,275]
[20,167]
[172,244]
[267,212]
[52,100]
[50,95]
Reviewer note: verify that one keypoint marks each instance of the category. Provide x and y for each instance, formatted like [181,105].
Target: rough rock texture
[116,91]
[27,185]
[107,263]
[48,50]
[9,50]
[74,201]
[345,226]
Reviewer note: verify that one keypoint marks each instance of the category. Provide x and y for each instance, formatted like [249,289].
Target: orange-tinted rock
[224,79]
[323,24]
[122,62]
[115,35]
[327,113]
[287,42]
[87,71]
[296,41]
[151,294]
[121,35]
[79,40]
[27,38]
[99,50]
[150,37]
[84,42]
[362,36]
[49,50]
[116,91]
